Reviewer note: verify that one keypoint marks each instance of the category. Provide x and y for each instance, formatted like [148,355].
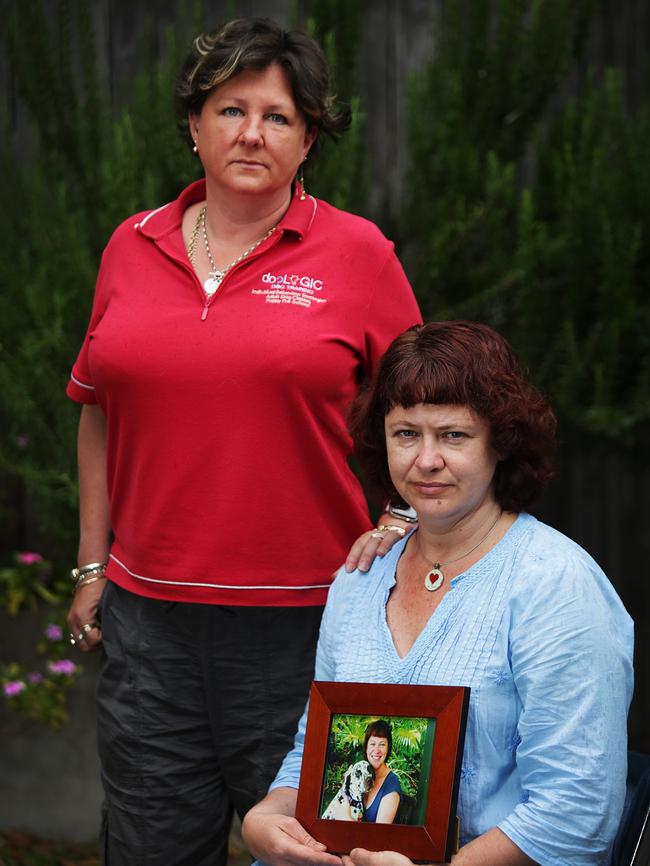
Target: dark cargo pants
[197,706]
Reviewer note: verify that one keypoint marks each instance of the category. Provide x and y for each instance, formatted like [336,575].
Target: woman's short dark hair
[255,44]
[468,364]
[380,728]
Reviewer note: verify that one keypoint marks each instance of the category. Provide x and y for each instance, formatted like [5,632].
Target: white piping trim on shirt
[149,215]
[212,585]
[81,384]
[315,203]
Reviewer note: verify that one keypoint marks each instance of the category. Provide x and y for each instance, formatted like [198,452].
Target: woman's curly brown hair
[466,364]
[255,44]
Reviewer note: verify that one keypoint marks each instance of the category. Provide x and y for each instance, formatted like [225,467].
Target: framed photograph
[381,767]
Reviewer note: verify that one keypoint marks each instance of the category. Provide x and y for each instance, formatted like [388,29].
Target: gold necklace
[434,578]
[216,275]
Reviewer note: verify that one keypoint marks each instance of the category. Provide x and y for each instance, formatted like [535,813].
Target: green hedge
[527,209]
[88,166]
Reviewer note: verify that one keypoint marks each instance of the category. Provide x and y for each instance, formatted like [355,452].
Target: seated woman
[481,595]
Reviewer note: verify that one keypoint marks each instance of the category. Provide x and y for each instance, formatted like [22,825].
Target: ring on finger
[72,639]
[376,534]
[389,527]
[87,628]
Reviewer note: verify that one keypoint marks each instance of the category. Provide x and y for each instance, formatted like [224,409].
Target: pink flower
[65,666]
[53,631]
[34,678]
[13,688]
[29,557]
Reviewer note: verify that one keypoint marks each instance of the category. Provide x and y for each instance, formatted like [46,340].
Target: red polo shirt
[227,446]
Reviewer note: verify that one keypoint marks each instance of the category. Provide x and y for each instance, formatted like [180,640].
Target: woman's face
[440,460]
[377,751]
[250,135]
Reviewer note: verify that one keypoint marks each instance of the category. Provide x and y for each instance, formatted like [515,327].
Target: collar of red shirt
[166,219]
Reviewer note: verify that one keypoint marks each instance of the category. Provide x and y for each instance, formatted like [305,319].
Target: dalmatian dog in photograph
[356,782]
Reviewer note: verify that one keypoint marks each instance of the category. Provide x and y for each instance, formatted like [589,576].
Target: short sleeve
[80,387]
[392,785]
[392,309]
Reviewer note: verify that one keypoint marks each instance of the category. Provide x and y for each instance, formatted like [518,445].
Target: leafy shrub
[530,210]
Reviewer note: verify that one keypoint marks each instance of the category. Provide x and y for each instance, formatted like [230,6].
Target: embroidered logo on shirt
[301,291]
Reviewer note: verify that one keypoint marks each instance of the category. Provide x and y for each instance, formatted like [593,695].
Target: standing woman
[229,333]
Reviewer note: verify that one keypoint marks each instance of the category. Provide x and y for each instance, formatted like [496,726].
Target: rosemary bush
[91,164]
[529,207]
[88,165]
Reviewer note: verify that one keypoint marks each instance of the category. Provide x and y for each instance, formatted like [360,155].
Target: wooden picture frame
[435,838]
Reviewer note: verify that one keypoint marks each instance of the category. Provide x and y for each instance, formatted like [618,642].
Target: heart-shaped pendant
[434,579]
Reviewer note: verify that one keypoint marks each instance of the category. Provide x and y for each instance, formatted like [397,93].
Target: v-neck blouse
[537,632]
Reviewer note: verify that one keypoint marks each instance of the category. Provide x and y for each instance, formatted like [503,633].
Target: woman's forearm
[94,512]
[279,801]
[94,527]
[493,848]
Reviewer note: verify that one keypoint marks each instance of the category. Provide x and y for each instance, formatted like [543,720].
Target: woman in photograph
[229,333]
[370,790]
[481,595]
[382,800]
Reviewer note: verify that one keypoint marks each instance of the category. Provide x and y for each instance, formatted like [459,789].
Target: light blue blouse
[540,636]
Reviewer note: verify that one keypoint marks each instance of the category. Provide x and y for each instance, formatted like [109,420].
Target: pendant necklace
[434,578]
[216,275]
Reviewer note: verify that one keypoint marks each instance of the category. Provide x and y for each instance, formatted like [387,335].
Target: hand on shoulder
[376,542]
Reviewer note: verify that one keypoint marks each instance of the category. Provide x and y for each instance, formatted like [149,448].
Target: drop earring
[301,180]
[195,149]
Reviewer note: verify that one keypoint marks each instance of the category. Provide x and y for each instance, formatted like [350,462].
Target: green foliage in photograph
[345,747]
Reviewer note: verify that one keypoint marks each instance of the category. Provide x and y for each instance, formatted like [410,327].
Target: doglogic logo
[300,291]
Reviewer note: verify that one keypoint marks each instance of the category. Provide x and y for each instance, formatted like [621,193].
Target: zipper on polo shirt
[207,301]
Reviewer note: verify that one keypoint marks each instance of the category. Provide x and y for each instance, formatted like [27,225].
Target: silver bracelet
[85,580]
[84,570]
